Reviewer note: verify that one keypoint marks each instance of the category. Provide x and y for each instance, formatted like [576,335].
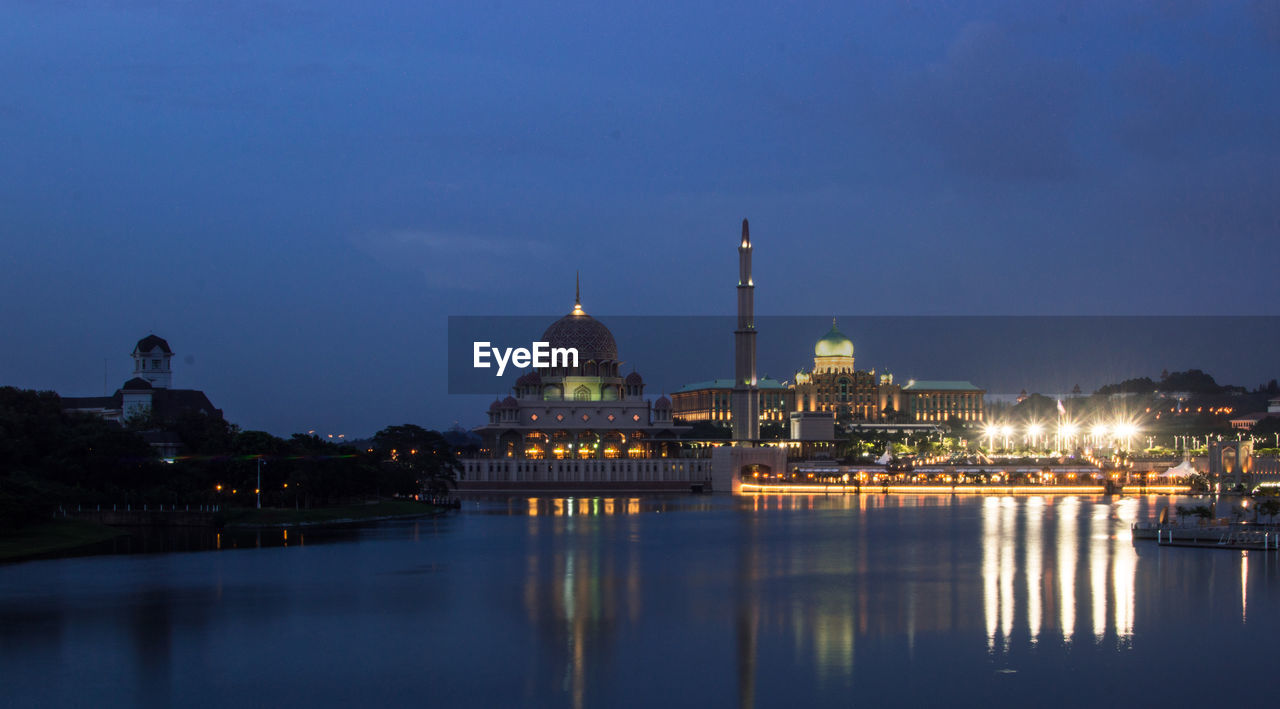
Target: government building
[149,394]
[837,387]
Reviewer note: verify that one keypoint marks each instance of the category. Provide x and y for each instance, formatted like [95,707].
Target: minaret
[745,398]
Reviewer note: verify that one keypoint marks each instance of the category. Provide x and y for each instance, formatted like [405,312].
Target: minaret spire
[744,400]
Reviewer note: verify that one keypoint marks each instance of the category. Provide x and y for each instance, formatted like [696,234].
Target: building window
[582,393]
[155,364]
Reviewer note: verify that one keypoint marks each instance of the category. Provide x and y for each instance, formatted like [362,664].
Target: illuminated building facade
[943,401]
[836,386]
[580,427]
[713,401]
[585,412]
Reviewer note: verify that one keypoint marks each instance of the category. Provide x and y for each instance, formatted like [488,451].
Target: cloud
[463,262]
[994,109]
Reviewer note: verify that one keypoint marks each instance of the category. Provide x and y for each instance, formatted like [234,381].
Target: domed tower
[151,362]
[634,384]
[833,353]
[595,378]
[662,410]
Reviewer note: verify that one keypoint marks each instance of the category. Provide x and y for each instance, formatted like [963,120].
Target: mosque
[581,427]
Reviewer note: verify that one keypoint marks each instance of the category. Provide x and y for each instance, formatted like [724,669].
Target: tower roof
[152,342]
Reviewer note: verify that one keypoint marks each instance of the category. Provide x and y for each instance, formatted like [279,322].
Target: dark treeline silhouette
[51,458]
[1192,381]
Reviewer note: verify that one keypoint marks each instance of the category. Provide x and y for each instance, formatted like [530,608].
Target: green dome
[833,344]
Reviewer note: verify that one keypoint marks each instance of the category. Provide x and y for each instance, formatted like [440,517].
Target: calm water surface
[685,601]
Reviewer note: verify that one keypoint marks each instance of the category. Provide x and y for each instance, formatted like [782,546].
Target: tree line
[49,457]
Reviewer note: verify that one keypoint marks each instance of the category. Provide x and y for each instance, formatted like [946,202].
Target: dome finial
[746,234]
[577,295]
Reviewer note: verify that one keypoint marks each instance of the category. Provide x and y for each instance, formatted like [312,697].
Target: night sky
[297,194]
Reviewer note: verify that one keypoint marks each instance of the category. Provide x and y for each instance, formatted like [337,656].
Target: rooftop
[939,385]
[765,383]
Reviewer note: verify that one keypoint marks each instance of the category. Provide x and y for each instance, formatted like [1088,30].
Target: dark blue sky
[297,194]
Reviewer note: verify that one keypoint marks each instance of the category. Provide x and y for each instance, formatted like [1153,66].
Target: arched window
[582,393]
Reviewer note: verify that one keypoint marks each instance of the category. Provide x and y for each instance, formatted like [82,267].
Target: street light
[1034,431]
[1099,432]
[258,490]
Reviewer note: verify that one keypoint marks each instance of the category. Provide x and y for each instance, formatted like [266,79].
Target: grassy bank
[328,515]
[52,537]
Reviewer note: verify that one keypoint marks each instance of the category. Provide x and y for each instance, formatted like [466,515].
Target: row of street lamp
[1064,434]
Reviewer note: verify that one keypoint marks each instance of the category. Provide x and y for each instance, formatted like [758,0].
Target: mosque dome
[634,379]
[529,379]
[662,403]
[833,344]
[510,403]
[583,333]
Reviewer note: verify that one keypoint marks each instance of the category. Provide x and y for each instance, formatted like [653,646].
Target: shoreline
[64,537]
[54,538]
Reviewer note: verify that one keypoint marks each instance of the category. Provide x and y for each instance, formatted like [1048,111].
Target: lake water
[700,601]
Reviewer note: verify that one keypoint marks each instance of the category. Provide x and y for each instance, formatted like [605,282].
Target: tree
[1269,508]
[412,455]
[1266,428]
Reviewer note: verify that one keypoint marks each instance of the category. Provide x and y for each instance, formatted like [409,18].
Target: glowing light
[807,489]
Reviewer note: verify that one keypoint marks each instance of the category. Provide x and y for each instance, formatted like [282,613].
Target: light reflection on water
[636,601]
